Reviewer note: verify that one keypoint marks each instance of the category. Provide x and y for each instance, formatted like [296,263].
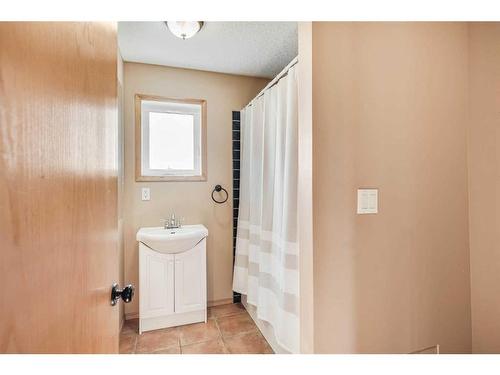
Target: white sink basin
[171,241]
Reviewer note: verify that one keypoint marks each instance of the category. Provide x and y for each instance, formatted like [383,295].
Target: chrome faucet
[172,223]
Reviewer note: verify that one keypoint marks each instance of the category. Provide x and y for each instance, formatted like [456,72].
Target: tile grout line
[200,342]
[179,339]
[224,337]
[135,344]
[221,336]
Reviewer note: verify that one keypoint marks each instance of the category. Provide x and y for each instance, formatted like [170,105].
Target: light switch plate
[146,194]
[367,201]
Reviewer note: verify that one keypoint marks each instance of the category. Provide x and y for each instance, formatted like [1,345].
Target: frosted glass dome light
[184,29]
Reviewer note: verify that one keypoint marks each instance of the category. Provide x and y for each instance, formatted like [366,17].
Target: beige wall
[224,93]
[390,111]
[484,182]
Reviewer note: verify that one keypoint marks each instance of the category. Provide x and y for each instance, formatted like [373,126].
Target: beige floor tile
[207,347]
[226,310]
[236,324]
[130,326]
[157,340]
[127,344]
[229,329]
[248,343]
[198,332]
[171,350]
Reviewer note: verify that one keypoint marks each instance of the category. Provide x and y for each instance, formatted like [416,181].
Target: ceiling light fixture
[184,29]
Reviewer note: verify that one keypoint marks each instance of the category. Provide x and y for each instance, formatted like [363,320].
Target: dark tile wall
[236,184]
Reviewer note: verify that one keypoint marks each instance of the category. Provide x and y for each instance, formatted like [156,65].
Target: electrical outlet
[146,194]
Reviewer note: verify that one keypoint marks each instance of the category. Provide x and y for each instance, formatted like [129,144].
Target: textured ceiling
[259,49]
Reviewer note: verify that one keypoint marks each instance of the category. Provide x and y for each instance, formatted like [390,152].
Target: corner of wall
[305,213]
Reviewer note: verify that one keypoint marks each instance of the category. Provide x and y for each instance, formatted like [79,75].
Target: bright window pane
[171,141]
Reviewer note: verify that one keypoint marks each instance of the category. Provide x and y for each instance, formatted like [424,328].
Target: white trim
[195,110]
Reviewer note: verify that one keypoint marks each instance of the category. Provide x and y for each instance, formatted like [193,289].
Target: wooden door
[58,187]
[156,283]
[190,279]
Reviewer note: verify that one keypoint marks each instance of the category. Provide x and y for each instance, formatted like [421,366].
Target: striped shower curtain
[266,266]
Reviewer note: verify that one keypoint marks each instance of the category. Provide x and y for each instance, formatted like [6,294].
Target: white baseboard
[434,349]
[129,316]
[225,301]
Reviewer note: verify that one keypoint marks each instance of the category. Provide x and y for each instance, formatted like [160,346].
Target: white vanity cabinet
[156,284]
[190,285]
[172,285]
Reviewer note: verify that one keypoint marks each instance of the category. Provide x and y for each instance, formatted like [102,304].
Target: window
[170,139]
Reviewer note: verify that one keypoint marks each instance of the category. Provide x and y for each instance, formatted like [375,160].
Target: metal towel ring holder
[218,188]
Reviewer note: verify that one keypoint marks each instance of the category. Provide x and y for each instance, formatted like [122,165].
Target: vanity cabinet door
[190,279]
[156,283]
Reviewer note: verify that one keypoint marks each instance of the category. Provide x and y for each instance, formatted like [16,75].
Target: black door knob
[126,293]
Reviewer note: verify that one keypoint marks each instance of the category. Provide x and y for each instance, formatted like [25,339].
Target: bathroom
[217,65]
[245,188]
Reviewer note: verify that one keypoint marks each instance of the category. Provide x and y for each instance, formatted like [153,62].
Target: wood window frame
[138,139]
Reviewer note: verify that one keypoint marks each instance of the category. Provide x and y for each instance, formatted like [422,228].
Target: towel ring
[218,188]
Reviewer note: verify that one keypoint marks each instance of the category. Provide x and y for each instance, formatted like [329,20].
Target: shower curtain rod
[275,80]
